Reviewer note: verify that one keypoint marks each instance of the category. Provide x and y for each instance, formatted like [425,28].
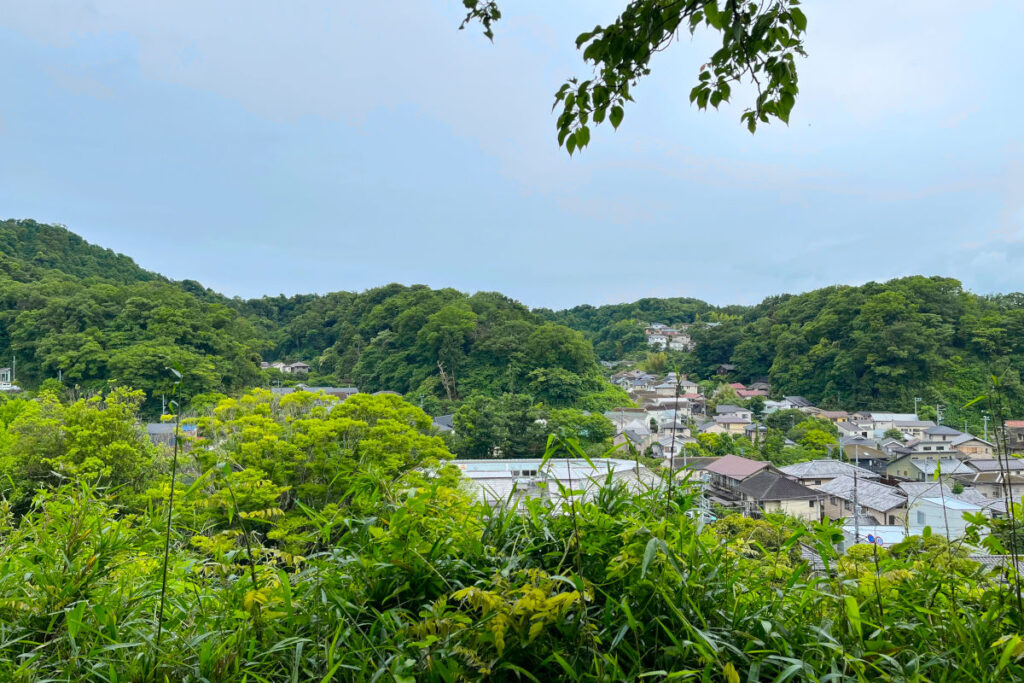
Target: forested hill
[96,318]
[879,344]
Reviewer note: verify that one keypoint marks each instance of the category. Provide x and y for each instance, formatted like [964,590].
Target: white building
[497,481]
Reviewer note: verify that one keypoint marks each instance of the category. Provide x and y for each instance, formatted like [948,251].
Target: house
[772,406]
[886,421]
[884,504]
[725,368]
[994,484]
[7,380]
[755,431]
[853,429]
[731,423]
[729,410]
[972,446]
[750,393]
[162,433]
[495,481]
[445,423]
[769,492]
[797,402]
[1015,435]
[814,473]
[944,515]
[923,469]
[298,368]
[835,416]
[712,427]
[728,471]
[865,453]
[941,433]
[913,429]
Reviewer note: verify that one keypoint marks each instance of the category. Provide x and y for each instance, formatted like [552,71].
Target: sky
[265,147]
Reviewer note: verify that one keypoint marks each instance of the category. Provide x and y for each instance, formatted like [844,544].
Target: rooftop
[736,467]
[870,494]
[773,486]
[827,468]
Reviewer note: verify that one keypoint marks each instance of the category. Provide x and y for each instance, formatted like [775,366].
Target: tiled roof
[869,493]
[736,467]
[772,486]
[825,469]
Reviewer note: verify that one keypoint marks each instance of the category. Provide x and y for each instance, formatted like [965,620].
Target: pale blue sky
[264,147]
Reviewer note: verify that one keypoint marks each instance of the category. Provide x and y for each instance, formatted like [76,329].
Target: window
[920,517]
[892,520]
[817,482]
[810,503]
[833,500]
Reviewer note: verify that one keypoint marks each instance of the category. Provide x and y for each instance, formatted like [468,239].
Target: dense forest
[95,318]
[877,345]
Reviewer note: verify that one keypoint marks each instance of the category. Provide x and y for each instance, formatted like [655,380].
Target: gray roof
[772,486]
[444,423]
[941,430]
[948,466]
[923,489]
[154,428]
[869,493]
[913,423]
[965,437]
[993,465]
[726,408]
[799,401]
[828,468]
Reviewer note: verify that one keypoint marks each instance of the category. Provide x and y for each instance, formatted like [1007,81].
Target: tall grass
[431,586]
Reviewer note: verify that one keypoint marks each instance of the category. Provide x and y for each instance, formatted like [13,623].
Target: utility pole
[985,418]
[856,511]
[917,399]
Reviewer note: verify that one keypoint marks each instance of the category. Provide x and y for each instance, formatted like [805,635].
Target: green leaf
[649,551]
[615,116]
[799,19]
[853,613]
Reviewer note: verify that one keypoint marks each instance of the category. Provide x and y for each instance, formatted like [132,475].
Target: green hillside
[96,318]
[878,345]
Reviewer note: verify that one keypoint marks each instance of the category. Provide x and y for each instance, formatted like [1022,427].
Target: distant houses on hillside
[297,368]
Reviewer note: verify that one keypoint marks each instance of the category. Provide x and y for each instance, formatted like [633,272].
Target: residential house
[865,453]
[755,432]
[886,421]
[923,469]
[913,429]
[771,406]
[1015,435]
[750,393]
[162,433]
[725,368]
[883,504]
[797,402]
[730,410]
[732,424]
[768,492]
[944,515]
[814,473]
[835,416]
[973,447]
[445,423]
[297,368]
[712,427]
[728,471]
[6,379]
[496,481]
[849,428]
